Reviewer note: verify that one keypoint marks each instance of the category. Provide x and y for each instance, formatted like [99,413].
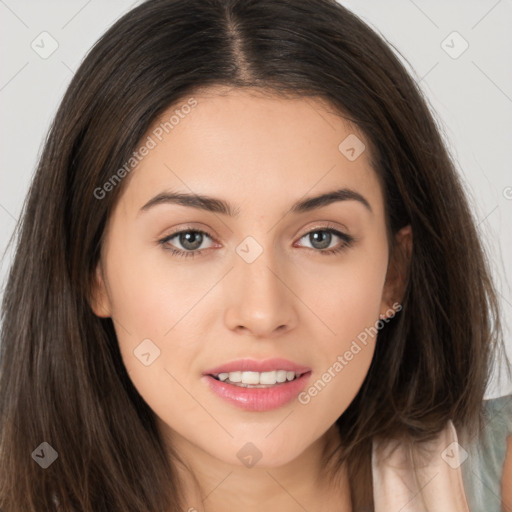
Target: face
[196,291]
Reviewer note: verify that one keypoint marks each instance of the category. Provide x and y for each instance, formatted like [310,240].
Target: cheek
[350,300]
[349,308]
[334,388]
[343,359]
[153,311]
[150,296]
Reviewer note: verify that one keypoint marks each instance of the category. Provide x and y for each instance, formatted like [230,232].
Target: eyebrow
[213,204]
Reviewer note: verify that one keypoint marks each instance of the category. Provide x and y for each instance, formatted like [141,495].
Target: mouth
[267,368]
[258,385]
[263,380]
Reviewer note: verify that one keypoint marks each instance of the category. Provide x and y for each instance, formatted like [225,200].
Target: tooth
[249,377]
[235,376]
[281,375]
[245,378]
[268,377]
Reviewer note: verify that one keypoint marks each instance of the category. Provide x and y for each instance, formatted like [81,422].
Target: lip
[253,365]
[258,399]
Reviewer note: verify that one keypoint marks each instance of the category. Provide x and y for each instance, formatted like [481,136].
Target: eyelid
[347,240]
[316,227]
[185,229]
[326,225]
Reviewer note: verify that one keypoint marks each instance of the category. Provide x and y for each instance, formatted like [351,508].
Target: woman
[247,276]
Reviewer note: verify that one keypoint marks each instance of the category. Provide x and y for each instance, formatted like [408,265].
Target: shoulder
[498,412]
[450,472]
[488,457]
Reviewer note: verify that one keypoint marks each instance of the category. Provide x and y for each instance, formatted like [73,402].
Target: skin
[261,154]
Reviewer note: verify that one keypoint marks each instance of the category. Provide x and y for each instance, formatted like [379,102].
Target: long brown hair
[62,380]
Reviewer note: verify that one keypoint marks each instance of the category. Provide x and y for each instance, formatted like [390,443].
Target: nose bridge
[260,301]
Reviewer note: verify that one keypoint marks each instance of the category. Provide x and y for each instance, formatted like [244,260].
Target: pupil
[191,240]
[326,239]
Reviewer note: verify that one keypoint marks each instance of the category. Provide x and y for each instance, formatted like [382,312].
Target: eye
[321,239]
[192,239]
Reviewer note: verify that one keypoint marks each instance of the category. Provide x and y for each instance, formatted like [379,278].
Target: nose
[261,301]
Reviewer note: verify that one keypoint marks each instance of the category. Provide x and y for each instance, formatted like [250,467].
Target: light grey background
[471,92]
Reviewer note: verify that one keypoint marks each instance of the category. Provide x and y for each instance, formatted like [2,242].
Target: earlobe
[99,301]
[398,271]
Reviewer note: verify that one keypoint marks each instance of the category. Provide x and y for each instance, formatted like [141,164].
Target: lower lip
[258,399]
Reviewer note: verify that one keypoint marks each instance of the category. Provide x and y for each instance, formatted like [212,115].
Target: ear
[100,303]
[398,269]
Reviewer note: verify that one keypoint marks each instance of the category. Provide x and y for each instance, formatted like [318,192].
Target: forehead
[252,148]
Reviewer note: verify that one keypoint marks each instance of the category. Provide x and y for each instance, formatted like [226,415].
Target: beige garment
[419,481]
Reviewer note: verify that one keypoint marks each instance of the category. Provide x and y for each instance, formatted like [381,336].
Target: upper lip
[254,365]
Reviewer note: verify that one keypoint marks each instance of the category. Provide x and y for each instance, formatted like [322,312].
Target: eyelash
[347,242]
